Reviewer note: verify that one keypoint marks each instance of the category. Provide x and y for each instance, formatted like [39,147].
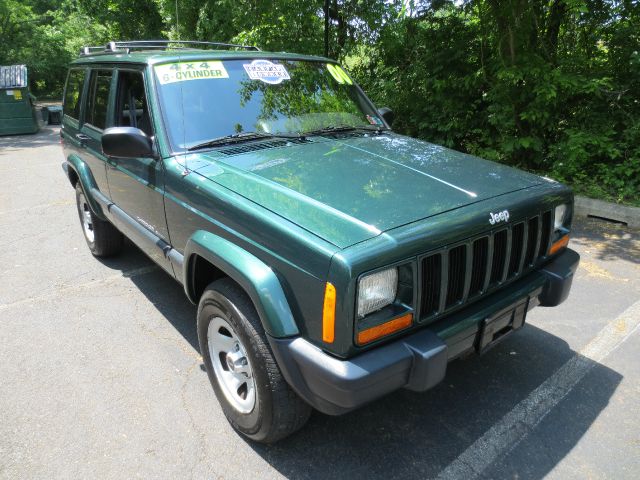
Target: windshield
[204,100]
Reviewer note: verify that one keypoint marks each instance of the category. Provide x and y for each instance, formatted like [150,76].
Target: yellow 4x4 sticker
[339,74]
[183,71]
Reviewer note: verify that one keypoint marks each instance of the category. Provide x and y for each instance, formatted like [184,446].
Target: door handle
[82,137]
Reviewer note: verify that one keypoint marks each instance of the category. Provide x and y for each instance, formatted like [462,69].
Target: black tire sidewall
[215,304]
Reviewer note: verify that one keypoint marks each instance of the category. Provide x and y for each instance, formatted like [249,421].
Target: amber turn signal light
[379,331]
[559,244]
[329,314]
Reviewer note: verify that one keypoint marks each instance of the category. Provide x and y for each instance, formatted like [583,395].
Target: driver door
[136,185]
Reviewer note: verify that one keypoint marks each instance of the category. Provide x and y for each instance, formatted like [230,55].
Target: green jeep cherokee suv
[332,260]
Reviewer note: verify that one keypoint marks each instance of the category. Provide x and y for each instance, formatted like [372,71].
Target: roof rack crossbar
[87,50]
[127,46]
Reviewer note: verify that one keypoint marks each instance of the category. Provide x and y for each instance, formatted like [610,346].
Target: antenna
[177,21]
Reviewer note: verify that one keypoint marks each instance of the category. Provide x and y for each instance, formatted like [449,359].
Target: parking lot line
[125,274]
[514,427]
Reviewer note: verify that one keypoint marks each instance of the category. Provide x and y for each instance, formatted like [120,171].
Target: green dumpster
[17,112]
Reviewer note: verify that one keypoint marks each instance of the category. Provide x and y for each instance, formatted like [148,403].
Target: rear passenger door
[96,118]
[74,140]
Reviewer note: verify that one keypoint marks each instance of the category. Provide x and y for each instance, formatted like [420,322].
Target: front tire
[254,396]
[103,239]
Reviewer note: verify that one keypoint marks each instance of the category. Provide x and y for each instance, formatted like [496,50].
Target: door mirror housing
[387,114]
[127,142]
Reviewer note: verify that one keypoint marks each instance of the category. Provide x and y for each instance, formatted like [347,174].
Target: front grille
[455,275]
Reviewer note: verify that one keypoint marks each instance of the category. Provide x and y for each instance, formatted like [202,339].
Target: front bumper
[419,361]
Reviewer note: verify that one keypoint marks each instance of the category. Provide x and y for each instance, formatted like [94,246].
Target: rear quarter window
[73,93]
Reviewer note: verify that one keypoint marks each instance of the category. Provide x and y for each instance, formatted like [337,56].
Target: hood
[349,190]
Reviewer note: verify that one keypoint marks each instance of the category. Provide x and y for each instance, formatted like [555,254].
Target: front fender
[253,275]
[83,173]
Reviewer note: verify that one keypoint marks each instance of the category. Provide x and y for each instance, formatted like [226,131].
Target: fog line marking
[125,274]
[514,427]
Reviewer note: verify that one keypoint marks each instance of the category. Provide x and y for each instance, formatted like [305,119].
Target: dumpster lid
[13,76]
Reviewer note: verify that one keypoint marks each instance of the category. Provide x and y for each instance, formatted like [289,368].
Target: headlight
[560,217]
[561,221]
[377,290]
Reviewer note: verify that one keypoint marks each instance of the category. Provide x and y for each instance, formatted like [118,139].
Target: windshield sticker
[338,73]
[374,120]
[266,71]
[183,71]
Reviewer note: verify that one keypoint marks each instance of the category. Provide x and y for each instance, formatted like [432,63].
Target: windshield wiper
[343,128]
[237,138]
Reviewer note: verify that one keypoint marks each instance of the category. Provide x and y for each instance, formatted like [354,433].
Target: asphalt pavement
[101,377]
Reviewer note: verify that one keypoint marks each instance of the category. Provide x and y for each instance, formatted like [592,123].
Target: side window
[99,86]
[73,93]
[132,109]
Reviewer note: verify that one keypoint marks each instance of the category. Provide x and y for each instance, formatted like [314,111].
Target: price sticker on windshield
[266,71]
[184,71]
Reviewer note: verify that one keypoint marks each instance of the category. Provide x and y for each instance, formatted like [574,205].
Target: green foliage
[48,34]
[553,87]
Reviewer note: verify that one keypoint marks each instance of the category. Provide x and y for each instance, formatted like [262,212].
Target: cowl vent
[252,147]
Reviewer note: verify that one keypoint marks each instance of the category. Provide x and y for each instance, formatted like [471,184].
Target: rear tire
[255,398]
[103,239]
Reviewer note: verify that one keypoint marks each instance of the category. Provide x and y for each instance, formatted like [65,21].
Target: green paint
[255,277]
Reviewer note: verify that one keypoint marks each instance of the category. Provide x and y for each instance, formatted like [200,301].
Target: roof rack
[127,47]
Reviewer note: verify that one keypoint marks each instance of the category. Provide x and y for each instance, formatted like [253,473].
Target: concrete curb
[585,207]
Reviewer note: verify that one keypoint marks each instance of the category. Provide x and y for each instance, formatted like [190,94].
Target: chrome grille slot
[545,234]
[517,241]
[431,268]
[499,256]
[479,269]
[532,241]
[455,286]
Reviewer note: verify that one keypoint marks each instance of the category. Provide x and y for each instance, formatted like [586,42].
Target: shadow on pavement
[414,435]
[610,240]
[48,135]
[161,289]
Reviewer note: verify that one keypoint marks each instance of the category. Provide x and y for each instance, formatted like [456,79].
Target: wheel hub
[231,365]
[237,362]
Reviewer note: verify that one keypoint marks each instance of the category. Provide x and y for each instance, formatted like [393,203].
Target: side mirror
[127,142]
[387,114]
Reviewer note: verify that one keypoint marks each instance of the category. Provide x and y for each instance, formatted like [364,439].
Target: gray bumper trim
[334,386]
